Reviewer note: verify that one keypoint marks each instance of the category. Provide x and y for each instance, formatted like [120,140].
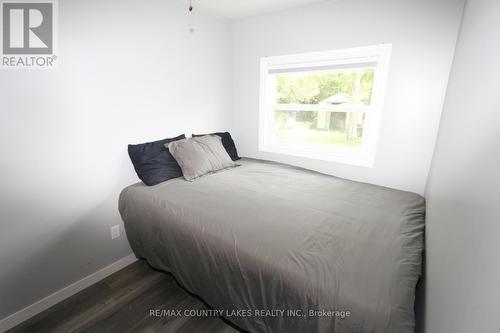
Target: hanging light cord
[191,17]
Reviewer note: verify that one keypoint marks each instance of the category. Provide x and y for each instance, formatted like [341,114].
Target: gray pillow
[200,156]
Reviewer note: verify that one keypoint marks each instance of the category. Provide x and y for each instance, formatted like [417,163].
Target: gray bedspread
[319,253]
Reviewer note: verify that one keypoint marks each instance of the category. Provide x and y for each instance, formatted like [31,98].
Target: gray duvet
[282,249]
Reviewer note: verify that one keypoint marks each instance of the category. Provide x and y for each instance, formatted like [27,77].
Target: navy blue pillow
[153,163]
[227,142]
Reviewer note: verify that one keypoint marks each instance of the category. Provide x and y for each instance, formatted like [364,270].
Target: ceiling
[237,9]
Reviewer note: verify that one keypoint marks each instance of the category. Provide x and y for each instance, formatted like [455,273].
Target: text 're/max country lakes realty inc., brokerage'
[228,313]
[29,34]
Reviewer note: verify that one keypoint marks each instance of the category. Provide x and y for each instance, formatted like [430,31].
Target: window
[324,105]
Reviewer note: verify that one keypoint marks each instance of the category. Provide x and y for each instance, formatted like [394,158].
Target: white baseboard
[60,295]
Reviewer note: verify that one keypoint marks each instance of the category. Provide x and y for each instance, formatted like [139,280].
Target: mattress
[277,248]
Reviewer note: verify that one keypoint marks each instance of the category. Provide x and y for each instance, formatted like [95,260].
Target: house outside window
[324,105]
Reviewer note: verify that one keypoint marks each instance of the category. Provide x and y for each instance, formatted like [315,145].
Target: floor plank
[122,303]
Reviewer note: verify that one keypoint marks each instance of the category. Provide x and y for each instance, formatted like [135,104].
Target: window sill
[355,157]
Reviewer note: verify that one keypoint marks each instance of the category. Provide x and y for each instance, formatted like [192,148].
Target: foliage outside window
[328,108]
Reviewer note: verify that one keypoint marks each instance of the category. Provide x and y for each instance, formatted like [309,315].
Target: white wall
[129,72]
[463,212]
[423,34]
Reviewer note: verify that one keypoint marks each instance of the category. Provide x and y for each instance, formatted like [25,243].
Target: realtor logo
[28,30]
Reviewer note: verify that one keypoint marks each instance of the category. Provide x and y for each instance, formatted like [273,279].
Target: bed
[278,248]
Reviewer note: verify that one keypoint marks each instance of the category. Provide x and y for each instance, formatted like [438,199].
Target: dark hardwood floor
[122,303]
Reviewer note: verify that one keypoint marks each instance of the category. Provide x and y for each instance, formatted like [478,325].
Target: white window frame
[377,55]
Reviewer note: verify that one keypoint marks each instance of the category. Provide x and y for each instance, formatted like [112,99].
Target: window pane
[334,128]
[352,86]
